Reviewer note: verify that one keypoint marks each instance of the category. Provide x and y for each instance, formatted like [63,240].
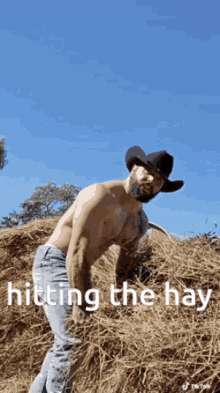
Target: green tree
[46,202]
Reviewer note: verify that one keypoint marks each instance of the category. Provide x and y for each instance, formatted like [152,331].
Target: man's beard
[138,192]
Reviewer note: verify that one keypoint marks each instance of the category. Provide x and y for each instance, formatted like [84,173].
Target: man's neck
[136,205]
[120,189]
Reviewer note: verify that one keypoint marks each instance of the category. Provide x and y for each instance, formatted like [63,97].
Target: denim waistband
[61,253]
[48,253]
[50,261]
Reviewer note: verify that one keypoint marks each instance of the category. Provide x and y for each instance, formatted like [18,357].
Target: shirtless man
[101,215]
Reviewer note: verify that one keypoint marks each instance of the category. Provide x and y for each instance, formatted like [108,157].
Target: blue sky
[83,81]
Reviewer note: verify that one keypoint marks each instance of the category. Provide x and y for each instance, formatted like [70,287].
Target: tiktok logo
[195,386]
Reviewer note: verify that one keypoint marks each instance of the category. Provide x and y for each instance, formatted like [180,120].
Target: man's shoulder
[95,189]
[93,194]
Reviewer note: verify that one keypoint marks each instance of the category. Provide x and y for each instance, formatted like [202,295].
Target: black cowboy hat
[161,161]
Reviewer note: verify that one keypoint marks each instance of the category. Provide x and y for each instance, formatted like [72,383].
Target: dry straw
[124,349]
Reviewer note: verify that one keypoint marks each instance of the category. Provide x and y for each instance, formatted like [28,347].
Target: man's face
[145,182]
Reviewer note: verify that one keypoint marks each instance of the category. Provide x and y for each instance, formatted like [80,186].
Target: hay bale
[156,348]
[140,348]
[159,235]
[24,333]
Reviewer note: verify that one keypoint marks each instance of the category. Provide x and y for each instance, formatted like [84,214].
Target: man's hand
[79,315]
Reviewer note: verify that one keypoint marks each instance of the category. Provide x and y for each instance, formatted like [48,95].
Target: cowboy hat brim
[172,186]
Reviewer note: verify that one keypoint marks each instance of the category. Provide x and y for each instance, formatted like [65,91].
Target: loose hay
[138,349]
[24,333]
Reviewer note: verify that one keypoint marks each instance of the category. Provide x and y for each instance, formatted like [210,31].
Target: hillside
[138,349]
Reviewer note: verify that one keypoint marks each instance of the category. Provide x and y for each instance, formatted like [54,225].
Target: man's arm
[88,218]
[78,269]
[126,262]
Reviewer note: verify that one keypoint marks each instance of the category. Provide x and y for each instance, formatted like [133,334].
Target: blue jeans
[50,269]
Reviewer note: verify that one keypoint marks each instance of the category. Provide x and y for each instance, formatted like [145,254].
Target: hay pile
[138,349]
[24,331]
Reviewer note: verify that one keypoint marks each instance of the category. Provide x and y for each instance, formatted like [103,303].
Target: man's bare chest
[129,226]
